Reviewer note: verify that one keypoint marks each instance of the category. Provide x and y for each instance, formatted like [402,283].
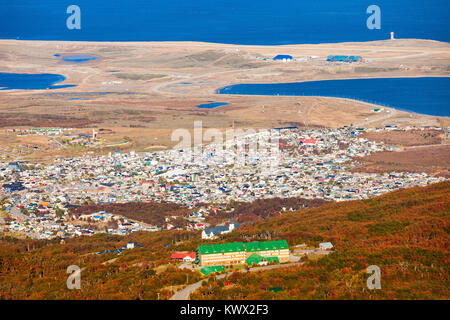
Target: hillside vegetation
[405,233]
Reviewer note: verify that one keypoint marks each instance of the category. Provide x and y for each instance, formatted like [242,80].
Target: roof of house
[191,255]
[272,259]
[254,259]
[221,248]
[208,270]
[283,56]
[266,245]
[183,255]
[217,230]
[220,229]
[326,245]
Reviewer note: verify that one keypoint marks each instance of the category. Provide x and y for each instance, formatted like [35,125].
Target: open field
[406,138]
[146,90]
[431,159]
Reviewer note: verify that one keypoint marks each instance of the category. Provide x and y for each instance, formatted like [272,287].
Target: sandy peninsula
[145,90]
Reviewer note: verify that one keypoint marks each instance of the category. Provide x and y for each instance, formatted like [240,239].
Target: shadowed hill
[405,233]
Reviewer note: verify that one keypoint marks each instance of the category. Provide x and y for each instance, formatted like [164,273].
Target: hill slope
[405,233]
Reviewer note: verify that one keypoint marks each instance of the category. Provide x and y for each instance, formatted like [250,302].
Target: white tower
[392,36]
[231,226]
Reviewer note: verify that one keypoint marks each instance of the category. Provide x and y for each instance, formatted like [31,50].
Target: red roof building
[183,256]
[308,141]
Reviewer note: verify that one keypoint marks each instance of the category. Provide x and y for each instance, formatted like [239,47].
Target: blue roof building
[14,186]
[283,57]
[13,165]
[211,233]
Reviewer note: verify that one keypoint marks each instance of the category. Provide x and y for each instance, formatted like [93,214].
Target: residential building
[238,253]
[221,254]
[269,249]
[325,246]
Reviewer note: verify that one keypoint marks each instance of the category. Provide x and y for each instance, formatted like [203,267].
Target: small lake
[427,95]
[212,105]
[78,58]
[9,81]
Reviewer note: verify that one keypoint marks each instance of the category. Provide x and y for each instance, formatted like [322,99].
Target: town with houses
[310,163]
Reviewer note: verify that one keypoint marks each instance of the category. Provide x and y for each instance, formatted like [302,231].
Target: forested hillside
[405,233]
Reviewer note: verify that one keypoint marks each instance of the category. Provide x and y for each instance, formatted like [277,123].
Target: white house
[325,246]
[211,233]
[190,257]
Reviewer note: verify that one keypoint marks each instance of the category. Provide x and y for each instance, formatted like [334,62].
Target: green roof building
[257,259]
[266,246]
[221,254]
[240,253]
[208,270]
[221,248]
[254,259]
[272,259]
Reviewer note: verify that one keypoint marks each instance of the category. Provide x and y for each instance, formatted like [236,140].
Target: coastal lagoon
[78,58]
[427,95]
[27,81]
[212,105]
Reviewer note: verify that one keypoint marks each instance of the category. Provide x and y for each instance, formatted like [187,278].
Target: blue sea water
[38,81]
[427,95]
[260,22]
[212,105]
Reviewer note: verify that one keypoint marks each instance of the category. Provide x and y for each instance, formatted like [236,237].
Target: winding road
[186,292]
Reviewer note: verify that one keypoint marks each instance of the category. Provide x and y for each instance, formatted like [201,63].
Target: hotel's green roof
[272,259]
[221,248]
[208,270]
[254,259]
[266,245]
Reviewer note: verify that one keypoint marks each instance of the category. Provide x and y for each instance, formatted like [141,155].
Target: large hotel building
[238,252]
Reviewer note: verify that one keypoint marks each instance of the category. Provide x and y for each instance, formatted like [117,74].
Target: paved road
[384,117]
[294,258]
[186,265]
[186,292]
